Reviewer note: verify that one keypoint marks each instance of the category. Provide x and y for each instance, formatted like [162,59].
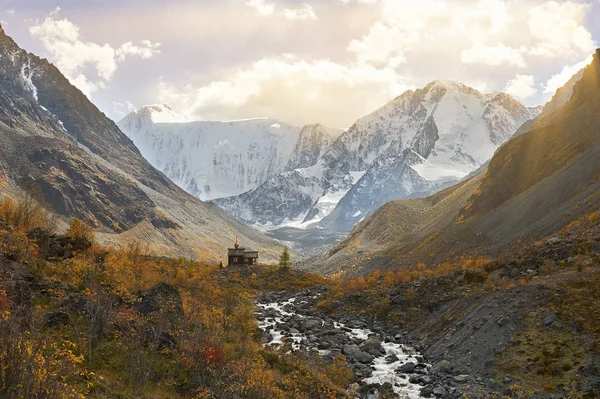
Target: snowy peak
[161,114]
[312,143]
[418,143]
[211,159]
[148,115]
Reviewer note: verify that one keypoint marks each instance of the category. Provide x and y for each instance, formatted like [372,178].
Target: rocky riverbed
[383,360]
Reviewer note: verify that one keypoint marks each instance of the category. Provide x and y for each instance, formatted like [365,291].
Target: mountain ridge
[535,184]
[393,146]
[58,144]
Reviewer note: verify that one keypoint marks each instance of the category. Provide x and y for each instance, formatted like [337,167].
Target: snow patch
[27,76]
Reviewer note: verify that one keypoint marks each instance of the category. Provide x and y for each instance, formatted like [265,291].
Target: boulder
[312,324]
[440,391]
[407,368]
[373,344]
[442,367]
[162,300]
[354,353]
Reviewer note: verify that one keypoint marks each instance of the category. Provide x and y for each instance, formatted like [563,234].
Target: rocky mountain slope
[417,144]
[215,159]
[54,142]
[535,184]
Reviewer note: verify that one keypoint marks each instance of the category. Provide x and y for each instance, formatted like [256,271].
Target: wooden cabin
[240,256]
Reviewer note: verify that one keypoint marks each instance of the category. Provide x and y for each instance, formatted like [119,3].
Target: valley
[445,245]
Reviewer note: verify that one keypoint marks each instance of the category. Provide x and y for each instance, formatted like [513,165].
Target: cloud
[557,29]
[559,80]
[147,50]
[372,55]
[291,89]
[383,45]
[72,55]
[123,109]
[12,12]
[521,87]
[493,56]
[261,7]
[305,12]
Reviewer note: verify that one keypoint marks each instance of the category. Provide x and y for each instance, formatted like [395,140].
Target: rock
[444,367]
[324,345]
[553,240]
[407,367]
[462,378]
[503,321]
[392,358]
[372,344]
[550,319]
[164,300]
[266,338]
[440,391]
[364,357]
[56,319]
[427,391]
[354,353]
[311,324]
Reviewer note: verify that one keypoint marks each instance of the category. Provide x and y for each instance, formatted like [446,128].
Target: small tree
[81,234]
[284,260]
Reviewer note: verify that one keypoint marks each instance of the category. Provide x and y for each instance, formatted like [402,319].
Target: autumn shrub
[15,245]
[32,366]
[474,276]
[81,234]
[338,372]
[26,214]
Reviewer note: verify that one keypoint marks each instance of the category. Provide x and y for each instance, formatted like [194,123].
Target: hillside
[58,147]
[535,184]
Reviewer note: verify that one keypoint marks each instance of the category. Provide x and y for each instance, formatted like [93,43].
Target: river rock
[373,344]
[311,324]
[444,367]
[440,391]
[407,368]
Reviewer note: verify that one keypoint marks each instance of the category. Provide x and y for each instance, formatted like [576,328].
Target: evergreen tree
[284,260]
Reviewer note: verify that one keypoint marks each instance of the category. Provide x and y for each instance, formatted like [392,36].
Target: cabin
[240,256]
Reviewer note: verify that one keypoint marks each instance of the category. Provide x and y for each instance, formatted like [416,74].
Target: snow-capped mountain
[419,143]
[312,143]
[211,159]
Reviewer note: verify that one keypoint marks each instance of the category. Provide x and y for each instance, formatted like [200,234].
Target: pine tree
[284,260]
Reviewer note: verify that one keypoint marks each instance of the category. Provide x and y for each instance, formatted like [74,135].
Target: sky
[302,61]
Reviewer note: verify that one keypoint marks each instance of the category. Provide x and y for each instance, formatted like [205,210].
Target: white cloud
[559,80]
[305,12]
[521,87]
[12,12]
[557,29]
[383,45]
[147,50]
[72,55]
[291,89]
[261,7]
[390,46]
[493,56]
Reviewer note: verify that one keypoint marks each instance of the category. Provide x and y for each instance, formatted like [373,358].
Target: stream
[380,361]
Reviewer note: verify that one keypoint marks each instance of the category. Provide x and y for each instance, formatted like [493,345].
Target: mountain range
[543,179]
[55,144]
[270,174]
